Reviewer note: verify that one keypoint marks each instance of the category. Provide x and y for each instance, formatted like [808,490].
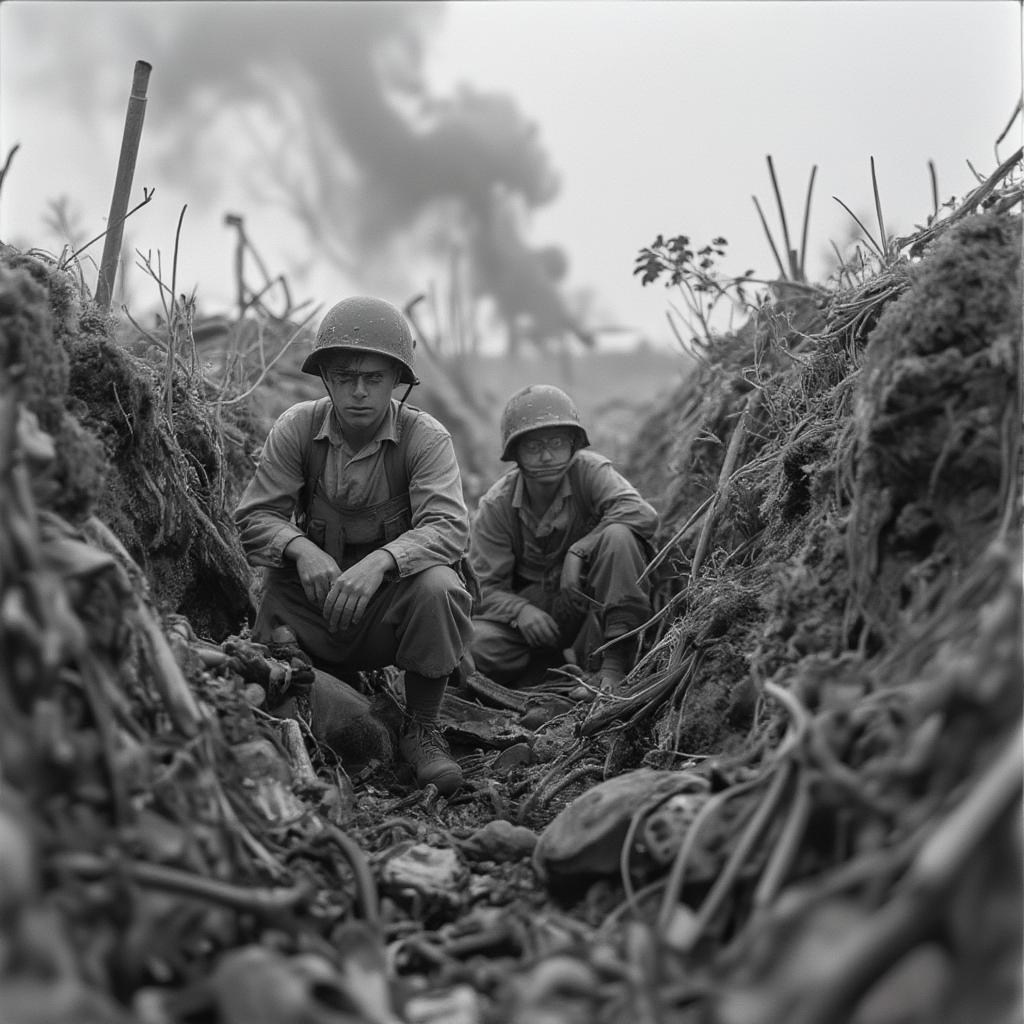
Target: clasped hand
[537,627]
[342,596]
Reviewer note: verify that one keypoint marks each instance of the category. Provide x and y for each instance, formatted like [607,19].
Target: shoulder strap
[517,537]
[580,493]
[314,458]
[394,455]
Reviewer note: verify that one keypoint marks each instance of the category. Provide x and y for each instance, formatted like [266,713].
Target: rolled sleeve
[264,513]
[439,532]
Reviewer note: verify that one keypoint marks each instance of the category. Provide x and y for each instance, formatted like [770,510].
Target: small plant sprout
[695,272]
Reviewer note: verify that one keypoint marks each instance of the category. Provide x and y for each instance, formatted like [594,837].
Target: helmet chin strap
[540,474]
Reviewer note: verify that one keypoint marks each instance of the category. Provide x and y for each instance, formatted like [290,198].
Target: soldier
[557,544]
[356,509]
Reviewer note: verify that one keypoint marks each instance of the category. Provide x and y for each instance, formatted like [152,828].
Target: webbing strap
[314,458]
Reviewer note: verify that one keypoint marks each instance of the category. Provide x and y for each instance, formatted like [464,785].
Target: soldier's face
[546,452]
[360,388]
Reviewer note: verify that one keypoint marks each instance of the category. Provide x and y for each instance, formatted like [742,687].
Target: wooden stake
[123,184]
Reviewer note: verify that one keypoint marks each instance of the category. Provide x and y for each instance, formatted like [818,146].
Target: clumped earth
[803,807]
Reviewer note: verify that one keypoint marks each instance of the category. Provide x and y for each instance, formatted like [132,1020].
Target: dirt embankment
[875,461]
[803,807]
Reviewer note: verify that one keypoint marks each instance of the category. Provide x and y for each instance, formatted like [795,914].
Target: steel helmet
[536,406]
[364,324]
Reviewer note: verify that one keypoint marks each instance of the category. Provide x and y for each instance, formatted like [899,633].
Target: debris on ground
[804,804]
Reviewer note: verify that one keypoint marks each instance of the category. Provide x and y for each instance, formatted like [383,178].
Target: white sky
[657,116]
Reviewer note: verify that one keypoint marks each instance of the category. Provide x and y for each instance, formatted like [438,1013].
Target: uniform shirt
[440,523]
[511,546]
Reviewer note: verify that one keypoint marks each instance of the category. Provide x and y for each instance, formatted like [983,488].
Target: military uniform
[356,510]
[402,492]
[517,554]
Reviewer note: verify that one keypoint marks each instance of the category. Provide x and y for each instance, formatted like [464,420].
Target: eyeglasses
[535,445]
[350,379]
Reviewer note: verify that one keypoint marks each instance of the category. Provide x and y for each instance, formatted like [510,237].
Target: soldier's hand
[538,628]
[316,569]
[351,591]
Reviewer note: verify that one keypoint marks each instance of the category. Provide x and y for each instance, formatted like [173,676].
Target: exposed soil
[804,806]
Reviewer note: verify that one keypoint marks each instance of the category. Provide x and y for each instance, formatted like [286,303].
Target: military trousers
[612,603]
[419,623]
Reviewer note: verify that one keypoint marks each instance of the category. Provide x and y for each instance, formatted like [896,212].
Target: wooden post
[123,184]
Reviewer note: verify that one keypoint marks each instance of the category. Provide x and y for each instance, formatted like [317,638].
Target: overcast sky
[652,117]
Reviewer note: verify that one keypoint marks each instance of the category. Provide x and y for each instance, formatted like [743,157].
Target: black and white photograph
[511,512]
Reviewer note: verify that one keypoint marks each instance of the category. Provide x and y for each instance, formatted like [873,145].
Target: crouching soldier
[557,544]
[356,509]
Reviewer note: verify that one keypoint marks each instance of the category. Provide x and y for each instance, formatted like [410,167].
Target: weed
[695,273]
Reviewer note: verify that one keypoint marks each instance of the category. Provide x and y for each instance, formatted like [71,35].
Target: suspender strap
[394,456]
[314,458]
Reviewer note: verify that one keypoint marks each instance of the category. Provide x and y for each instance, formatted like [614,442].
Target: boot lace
[431,745]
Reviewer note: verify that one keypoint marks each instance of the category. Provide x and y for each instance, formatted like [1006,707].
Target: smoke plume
[364,155]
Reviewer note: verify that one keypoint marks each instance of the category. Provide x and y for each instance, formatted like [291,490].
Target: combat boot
[423,747]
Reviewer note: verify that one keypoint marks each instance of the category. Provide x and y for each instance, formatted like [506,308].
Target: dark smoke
[382,152]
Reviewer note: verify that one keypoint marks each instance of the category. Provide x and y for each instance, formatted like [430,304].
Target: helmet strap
[406,395]
[531,474]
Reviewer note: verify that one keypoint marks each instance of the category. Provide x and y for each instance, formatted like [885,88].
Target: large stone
[500,841]
[587,836]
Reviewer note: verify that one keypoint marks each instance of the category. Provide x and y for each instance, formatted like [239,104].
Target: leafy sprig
[678,263]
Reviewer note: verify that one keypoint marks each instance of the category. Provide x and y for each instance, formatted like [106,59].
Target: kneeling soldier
[356,509]
[557,544]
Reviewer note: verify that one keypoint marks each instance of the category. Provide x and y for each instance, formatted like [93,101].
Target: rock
[513,757]
[549,745]
[542,707]
[587,837]
[254,695]
[437,875]
[500,841]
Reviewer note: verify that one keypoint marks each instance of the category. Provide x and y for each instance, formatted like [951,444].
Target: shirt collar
[387,431]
